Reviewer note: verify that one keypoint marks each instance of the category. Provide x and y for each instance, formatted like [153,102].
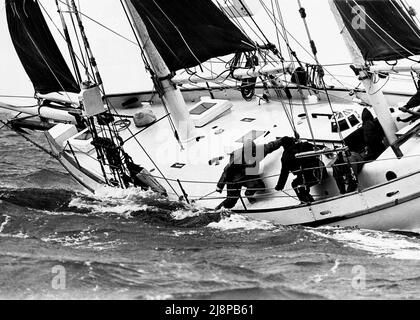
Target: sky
[120,62]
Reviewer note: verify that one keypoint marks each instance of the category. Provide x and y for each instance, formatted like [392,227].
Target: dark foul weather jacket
[236,172]
[372,133]
[291,164]
[414,101]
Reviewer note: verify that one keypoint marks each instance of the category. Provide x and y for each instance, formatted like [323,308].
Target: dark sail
[36,48]
[383,30]
[188,32]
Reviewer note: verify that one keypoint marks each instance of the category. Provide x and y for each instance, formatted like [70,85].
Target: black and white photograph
[232,151]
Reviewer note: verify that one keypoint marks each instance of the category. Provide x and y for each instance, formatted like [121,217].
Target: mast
[171,95]
[69,44]
[373,90]
[89,52]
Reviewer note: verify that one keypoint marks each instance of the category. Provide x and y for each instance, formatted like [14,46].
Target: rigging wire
[109,29]
[285,35]
[150,69]
[44,59]
[80,59]
[69,44]
[5,124]
[253,20]
[384,31]
[405,19]
[363,162]
[84,64]
[179,32]
[275,26]
[89,54]
[285,38]
[16,96]
[314,51]
[236,16]
[293,56]
[407,8]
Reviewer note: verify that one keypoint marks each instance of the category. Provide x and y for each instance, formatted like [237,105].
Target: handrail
[308,154]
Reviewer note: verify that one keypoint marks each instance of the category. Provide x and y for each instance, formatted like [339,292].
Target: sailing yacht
[214,89]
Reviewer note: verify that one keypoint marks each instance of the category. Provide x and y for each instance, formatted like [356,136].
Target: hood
[367,115]
[288,142]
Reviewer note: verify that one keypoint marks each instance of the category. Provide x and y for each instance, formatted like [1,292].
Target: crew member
[346,169]
[307,170]
[373,135]
[243,171]
[413,102]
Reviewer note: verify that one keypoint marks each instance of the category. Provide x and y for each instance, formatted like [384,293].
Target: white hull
[381,205]
[392,206]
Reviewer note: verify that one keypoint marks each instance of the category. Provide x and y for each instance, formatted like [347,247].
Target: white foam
[106,205]
[335,267]
[68,241]
[183,214]
[19,235]
[6,221]
[159,297]
[321,277]
[379,243]
[184,233]
[102,246]
[107,192]
[241,222]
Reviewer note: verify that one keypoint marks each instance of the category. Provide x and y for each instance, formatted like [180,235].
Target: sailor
[346,168]
[413,102]
[373,135]
[243,170]
[308,171]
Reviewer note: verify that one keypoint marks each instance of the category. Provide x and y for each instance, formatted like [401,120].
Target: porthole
[391,175]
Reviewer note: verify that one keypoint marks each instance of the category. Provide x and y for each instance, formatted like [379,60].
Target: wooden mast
[172,96]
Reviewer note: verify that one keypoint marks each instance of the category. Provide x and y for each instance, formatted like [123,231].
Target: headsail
[189,32]
[37,49]
[383,30]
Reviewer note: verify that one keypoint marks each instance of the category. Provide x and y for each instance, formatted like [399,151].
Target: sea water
[57,241]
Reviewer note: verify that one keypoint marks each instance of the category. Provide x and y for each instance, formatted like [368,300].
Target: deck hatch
[201,108]
[248,119]
[178,165]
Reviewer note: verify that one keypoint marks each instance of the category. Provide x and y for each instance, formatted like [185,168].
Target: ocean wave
[317,278]
[38,198]
[83,240]
[240,222]
[50,179]
[19,235]
[251,293]
[107,206]
[146,205]
[5,222]
[382,244]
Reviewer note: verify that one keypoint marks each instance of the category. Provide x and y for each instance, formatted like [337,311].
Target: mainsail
[189,32]
[382,29]
[37,49]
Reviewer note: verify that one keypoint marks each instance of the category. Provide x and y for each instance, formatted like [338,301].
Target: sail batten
[189,32]
[37,49]
[382,30]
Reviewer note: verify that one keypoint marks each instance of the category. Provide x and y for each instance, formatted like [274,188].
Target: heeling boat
[177,142]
